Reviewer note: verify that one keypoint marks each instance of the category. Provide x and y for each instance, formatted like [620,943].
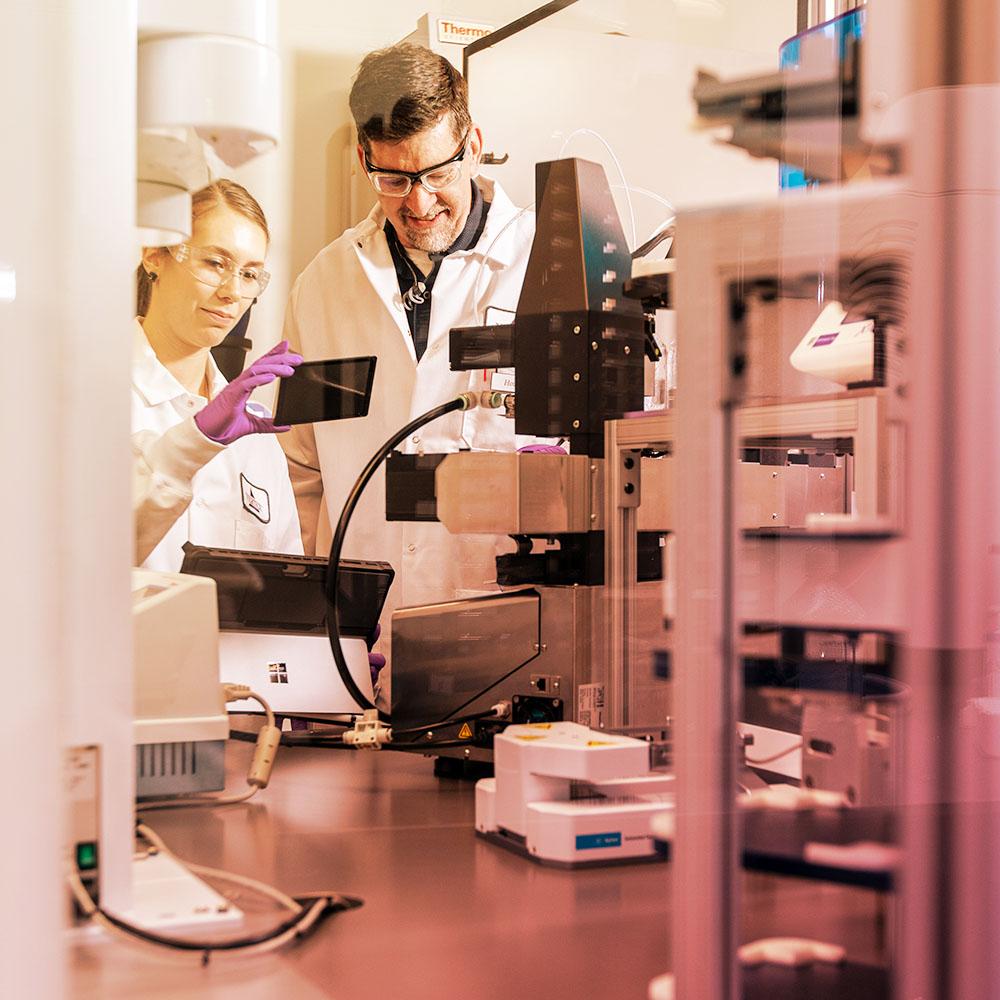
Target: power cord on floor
[306,912]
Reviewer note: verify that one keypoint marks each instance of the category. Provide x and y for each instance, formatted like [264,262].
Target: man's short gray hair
[406,89]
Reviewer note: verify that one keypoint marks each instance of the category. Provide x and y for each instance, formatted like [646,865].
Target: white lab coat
[347,303]
[187,487]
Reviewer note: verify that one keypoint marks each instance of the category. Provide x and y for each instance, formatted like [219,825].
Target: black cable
[295,739]
[332,742]
[430,727]
[499,680]
[487,714]
[429,745]
[323,722]
[464,402]
[329,903]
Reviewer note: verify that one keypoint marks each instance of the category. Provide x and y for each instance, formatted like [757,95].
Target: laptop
[272,625]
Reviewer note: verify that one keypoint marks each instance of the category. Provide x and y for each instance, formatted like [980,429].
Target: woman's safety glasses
[215,269]
[397,183]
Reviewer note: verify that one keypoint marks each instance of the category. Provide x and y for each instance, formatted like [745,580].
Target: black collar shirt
[414,286]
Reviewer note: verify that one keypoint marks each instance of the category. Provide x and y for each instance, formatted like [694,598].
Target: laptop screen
[273,592]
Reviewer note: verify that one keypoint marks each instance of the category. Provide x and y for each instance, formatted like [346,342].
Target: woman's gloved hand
[226,418]
[542,449]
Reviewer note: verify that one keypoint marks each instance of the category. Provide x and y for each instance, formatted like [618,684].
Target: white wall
[629,80]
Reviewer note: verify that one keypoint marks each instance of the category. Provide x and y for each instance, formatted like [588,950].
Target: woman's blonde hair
[220,192]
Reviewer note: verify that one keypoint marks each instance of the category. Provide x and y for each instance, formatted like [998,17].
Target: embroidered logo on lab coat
[255,500]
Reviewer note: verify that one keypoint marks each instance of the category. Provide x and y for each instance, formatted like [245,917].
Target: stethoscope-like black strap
[415,287]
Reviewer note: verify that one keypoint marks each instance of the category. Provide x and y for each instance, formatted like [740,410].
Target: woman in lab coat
[206,466]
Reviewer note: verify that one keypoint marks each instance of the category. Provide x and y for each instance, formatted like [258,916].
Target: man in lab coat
[444,247]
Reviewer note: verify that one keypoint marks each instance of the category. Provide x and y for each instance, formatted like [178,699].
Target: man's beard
[436,240]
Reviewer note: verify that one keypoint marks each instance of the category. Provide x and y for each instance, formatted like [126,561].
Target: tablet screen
[326,390]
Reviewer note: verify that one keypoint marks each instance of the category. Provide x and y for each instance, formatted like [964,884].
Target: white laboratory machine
[570,796]
[181,725]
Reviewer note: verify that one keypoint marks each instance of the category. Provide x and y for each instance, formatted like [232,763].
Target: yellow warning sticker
[465,733]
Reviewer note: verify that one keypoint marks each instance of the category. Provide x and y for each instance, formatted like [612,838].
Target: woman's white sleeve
[163,466]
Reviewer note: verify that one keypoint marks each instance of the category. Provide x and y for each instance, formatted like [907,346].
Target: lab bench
[446,914]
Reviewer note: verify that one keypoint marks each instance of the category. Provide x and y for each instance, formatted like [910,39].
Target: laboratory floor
[446,915]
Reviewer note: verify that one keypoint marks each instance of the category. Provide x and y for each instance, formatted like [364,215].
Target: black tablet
[336,389]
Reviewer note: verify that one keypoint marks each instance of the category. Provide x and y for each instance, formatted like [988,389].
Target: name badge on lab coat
[255,500]
[503,380]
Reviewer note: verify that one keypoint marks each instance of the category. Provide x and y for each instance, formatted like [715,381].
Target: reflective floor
[446,914]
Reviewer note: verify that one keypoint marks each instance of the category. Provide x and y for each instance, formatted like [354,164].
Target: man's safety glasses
[212,268]
[397,183]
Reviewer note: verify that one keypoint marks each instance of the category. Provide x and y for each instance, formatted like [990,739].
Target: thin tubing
[337,545]
[481,313]
[771,758]
[621,173]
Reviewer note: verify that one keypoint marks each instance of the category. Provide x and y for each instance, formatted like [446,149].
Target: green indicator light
[86,856]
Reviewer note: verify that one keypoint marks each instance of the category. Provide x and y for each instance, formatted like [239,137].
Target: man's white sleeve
[300,449]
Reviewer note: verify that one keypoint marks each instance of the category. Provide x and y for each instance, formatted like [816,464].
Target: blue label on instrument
[588,841]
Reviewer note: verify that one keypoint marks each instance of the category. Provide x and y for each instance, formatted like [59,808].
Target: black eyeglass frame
[418,175]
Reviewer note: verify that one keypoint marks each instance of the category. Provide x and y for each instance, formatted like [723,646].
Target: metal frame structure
[930,577]
[623,439]
[723,576]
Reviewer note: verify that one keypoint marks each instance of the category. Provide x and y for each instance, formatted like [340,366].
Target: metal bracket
[630,479]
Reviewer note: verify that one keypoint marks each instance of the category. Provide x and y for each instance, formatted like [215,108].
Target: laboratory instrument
[575,350]
[571,796]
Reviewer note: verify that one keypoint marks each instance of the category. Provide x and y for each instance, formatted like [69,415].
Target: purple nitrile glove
[226,418]
[542,449]
[376,661]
